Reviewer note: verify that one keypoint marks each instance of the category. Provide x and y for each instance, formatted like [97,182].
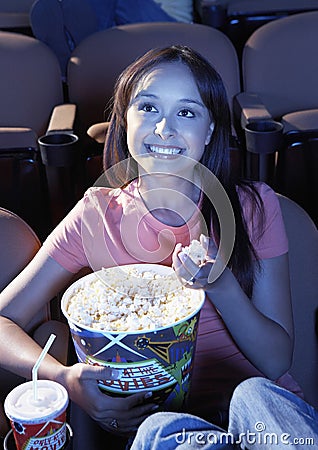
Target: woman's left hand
[191,274]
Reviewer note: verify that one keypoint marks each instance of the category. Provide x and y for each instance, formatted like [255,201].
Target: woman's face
[168,124]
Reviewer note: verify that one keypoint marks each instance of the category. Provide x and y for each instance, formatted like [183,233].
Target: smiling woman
[167,149]
[168,125]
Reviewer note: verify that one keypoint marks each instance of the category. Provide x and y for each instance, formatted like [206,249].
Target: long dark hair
[216,156]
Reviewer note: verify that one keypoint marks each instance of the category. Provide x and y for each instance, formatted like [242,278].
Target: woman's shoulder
[256,188]
[110,192]
[100,195]
[106,204]
[258,199]
[101,191]
[263,216]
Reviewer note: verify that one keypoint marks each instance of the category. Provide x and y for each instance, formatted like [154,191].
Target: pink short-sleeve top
[111,227]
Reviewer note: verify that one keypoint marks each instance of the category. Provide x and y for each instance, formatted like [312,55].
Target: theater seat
[14,15]
[238,19]
[19,244]
[30,90]
[279,83]
[303,256]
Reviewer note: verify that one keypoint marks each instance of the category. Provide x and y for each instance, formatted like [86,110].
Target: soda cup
[38,423]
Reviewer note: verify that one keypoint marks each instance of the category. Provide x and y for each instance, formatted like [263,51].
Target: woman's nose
[164,128]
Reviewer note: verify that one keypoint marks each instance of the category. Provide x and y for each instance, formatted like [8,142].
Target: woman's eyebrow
[192,100]
[142,94]
[182,100]
[146,94]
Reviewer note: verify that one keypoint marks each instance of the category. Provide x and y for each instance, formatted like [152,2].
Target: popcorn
[196,252]
[128,299]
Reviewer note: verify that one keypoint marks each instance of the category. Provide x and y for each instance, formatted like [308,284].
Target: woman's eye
[148,108]
[185,113]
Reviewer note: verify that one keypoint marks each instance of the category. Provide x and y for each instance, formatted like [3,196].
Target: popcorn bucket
[157,359]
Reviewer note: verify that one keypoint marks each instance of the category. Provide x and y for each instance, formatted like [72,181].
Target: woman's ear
[209,134]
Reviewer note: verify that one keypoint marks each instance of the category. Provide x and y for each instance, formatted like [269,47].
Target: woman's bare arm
[262,327]
[39,282]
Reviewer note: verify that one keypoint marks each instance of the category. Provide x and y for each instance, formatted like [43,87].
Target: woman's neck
[171,199]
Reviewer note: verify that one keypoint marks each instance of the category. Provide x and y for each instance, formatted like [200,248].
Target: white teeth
[165,150]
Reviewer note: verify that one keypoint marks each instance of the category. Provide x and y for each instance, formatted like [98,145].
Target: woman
[167,151]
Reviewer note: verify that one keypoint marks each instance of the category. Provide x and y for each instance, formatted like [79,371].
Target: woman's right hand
[81,382]
[195,276]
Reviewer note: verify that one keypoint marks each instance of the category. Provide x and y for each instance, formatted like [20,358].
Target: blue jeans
[120,12]
[262,416]
[63,24]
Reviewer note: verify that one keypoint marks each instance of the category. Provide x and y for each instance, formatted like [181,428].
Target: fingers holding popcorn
[193,263]
[183,265]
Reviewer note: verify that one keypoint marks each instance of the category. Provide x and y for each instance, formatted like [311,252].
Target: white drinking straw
[38,362]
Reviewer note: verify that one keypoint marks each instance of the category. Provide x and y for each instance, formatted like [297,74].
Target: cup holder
[59,149]
[263,136]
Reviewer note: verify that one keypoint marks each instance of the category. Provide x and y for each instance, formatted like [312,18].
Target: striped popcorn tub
[141,319]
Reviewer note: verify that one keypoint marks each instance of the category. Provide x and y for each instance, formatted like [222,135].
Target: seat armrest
[63,118]
[261,134]
[249,108]
[98,132]
[17,138]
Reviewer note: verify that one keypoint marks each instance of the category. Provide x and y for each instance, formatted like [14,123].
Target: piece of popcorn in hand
[196,252]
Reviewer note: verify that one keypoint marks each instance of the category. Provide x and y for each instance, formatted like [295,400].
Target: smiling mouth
[165,151]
